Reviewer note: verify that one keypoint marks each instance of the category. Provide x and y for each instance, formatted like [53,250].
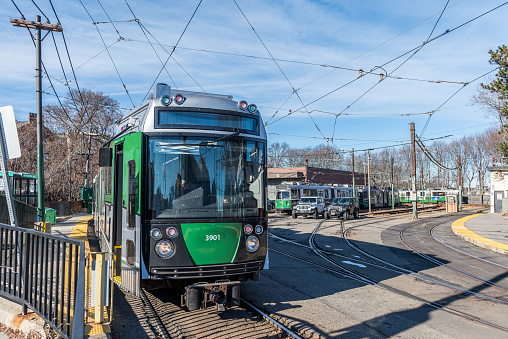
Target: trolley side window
[283,195]
[132,194]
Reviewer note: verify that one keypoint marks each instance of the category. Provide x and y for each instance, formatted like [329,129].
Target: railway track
[442,264]
[169,320]
[346,271]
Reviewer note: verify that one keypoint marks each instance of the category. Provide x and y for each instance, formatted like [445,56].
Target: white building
[498,187]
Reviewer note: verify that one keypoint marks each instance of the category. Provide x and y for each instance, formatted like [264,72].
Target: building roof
[285,175]
[502,168]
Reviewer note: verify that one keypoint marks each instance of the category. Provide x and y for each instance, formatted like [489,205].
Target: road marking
[354,264]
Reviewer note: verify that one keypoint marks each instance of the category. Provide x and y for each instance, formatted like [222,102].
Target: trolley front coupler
[221,293]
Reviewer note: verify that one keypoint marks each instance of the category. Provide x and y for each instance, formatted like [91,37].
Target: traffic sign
[10,132]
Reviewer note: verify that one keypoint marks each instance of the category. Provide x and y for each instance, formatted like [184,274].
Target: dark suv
[342,208]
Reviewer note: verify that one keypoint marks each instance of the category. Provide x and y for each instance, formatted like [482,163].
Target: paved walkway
[74,227]
[489,231]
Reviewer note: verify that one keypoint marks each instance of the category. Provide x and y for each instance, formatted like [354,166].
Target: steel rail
[159,326]
[271,320]
[163,331]
[403,293]
[462,252]
[393,268]
[442,264]
[375,283]
[414,273]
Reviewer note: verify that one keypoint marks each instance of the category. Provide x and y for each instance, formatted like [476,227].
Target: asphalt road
[327,304]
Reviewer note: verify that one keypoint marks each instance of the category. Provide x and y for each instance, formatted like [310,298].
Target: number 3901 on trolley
[180,198]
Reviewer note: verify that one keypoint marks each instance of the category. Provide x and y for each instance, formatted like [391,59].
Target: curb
[459,228]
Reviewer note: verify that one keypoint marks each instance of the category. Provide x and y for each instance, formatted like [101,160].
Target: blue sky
[303,36]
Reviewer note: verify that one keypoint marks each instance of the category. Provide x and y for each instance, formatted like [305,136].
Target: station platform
[489,231]
[74,227]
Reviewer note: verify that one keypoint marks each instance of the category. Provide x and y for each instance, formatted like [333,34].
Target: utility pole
[38,26]
[460,184]
[353,159]
[368,177]
[70,182]
[393,195]
[413,167]
[423,187]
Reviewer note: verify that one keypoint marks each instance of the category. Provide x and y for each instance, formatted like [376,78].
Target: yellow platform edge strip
[80,232]
[459,227]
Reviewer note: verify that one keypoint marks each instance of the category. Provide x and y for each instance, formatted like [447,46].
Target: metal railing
[26,214]
[46,273]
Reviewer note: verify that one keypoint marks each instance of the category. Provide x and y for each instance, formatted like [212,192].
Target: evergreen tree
[499,90]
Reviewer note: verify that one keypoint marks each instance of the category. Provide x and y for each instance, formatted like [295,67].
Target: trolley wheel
[346,215]
[235,295]
[315,215]
[192,299]
[294,215]
[357,214]
[326,215]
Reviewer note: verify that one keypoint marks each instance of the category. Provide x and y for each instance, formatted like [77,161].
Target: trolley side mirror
[105,157]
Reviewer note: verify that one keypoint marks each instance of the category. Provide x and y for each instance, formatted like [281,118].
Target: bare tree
[74,130]
[277,154]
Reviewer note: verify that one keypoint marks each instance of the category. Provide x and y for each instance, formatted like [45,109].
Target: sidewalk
[489,231]
[32,325]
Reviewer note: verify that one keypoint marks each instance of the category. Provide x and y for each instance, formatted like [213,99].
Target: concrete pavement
[489,231]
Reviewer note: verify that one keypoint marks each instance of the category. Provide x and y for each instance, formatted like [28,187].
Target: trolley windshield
[202,177]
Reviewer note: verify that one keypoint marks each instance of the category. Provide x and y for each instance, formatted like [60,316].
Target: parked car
[309,206]
[342,208]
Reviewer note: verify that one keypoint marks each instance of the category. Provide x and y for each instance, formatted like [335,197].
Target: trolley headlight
[179,99]
[165,100]
[242,105]
[156,233]
[252,244]
[259,229]
[171,232]
[248,229]
[252,108]
[165,249]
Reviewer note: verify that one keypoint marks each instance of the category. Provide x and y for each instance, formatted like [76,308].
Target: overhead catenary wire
[391,72]
[173,57]
[173,50]
[22,16]
[110,21]
[412,50]
[70,61]
[280,69]
[87,61]
[370,50]
[454,94]
[93,105]
[110,56]
[355,70]
[151,45]
[49,79]
[40,10]
[430,157]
